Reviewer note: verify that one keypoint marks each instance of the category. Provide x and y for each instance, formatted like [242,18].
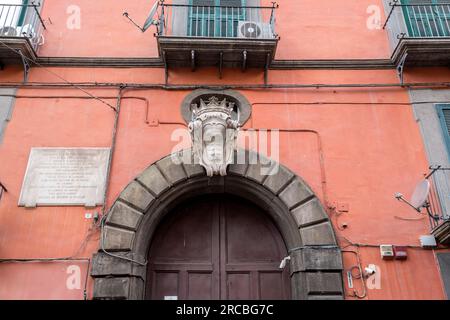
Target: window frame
[445,128]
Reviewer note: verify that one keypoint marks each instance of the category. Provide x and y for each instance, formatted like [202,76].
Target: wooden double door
[220,248]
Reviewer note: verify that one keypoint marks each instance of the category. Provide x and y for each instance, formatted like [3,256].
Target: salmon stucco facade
[225,149]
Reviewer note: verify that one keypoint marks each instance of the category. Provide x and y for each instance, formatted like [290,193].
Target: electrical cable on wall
[58,76]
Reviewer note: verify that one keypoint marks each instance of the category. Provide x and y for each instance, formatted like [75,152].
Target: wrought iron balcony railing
[422,19]
[22,21]
[217,21]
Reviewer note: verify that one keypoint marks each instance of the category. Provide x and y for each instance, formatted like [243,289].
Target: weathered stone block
[104,265]
[172,169]
[117,239]
[277,181]
[124,216]
[118,288]
[262,170]
[295,193]
[154,180]
[240,163]
[325,297]
[322,259]
[309,213]
[319,234]
[190,163]
[194,170]
[316,259]
[137,195]
[324,283]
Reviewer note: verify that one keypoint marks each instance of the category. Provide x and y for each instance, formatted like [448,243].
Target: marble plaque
[65,177]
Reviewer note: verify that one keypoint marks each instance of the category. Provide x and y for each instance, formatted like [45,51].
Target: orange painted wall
[329,29]
[370,151]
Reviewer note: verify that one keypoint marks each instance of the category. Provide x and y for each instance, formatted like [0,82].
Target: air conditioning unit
[8,31]
[254,30]
[26,31]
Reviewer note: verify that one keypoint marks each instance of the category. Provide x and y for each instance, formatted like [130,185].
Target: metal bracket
[393,5]
[166,69]
[2,189]
[192,60]
[266,69]
[244,60]
[26,66]
[220,64]
[401,67]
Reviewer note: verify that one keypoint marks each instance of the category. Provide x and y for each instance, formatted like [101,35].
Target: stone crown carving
[214,134]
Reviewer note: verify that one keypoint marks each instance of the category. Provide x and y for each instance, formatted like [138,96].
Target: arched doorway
[120,266]
[218,247]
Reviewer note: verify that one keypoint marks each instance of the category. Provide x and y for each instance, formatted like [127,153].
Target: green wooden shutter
[205,21]
[23,13]
[444,117]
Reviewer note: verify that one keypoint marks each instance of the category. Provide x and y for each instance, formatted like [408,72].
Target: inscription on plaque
[65,176]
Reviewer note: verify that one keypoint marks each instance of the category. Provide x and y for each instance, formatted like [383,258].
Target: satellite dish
[150,21]
[420,194]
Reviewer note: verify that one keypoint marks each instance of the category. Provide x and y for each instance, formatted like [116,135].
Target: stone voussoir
[261,170]
[172,169]
[153,179]
[296,192]
[318,234]
[191,164]
[117,239]
[138,196]
[309,213]
[240,163]
[275,182]
[122,215]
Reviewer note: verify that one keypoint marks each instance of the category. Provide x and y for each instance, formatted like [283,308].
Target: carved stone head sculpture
[214,134]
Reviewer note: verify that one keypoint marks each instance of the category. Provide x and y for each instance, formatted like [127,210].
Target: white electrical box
[387,251]
[428,241]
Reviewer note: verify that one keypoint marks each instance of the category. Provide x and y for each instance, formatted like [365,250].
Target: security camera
[370,270]
[284,261]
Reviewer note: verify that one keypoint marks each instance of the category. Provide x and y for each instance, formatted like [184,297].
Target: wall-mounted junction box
[387,251]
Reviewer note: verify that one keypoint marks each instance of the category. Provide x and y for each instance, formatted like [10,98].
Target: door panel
[165,285]
[238,286]
[271,285]
[200,286]
[217,248]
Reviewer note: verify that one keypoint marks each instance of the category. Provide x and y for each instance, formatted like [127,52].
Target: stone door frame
[316,260]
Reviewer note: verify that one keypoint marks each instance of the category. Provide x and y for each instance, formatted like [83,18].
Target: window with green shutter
[215,18]
[444,116]
[427,18]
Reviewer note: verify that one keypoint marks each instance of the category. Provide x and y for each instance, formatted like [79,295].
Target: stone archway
[316,262]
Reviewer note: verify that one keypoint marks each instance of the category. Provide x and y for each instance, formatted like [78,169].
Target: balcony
[419,32]
[201,34]
[21,29]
